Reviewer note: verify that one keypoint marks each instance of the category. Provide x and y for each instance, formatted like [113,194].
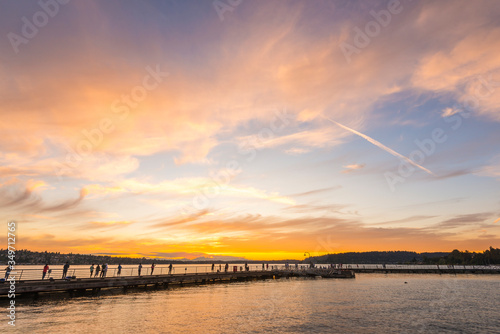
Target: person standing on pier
[119,270]
[65,269]
[170,269]
[226,267]
[45,269]
[213,266]
[152,268]
[139,268]
[91,270]
[7,272]
[104,270]
[263,268]
[97,270]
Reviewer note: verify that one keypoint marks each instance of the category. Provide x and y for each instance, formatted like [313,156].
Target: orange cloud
[353,167]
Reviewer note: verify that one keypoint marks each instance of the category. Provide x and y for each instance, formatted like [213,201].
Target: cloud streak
[382,146]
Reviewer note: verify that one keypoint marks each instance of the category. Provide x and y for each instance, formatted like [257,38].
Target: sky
[255,129]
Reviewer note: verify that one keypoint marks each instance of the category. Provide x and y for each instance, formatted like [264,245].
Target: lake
[370,303]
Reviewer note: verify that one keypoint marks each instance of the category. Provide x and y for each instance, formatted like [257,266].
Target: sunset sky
[257,129]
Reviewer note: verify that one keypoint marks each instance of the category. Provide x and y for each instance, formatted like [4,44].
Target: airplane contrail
[382,146]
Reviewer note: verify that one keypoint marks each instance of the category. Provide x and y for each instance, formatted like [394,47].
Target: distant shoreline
[490,256]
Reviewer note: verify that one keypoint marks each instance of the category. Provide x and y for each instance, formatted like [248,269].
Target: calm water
[371,303]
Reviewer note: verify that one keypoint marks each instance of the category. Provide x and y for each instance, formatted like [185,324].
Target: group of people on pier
[102,270]
[265,266]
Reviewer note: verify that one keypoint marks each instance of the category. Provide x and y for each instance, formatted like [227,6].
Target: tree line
[489,256]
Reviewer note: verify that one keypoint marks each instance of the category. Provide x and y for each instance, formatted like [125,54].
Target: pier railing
[84,272]
[37,274]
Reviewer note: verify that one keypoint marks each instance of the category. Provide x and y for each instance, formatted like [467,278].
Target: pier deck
[82,284]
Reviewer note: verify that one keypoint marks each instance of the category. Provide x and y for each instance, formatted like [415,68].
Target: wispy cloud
[27,200]
[408,220]
[182,220]
[296,151]
[352,168]
[188,187]
[464,220]
[492,169]
[316,208]
[316,191]
[449,111]
[110,223]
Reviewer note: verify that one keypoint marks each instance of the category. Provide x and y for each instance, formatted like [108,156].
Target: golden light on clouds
[175,134]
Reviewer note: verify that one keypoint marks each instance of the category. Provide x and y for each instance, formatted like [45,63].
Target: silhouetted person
[7,272]
[119,270]
[139,268]
[213,266]
[103,270]
[65,270]
[97,270]
[152,268]
[170,269]
[45,269]
[91,270]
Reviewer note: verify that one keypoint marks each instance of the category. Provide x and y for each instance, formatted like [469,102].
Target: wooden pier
[80,285]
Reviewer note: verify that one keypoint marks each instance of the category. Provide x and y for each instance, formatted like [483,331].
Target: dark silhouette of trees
[489,256]
[374,257]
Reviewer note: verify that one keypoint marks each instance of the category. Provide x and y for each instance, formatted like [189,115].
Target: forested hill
[489,256]
[375,257]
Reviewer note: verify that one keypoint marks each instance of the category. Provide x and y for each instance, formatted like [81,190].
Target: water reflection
[370,303]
